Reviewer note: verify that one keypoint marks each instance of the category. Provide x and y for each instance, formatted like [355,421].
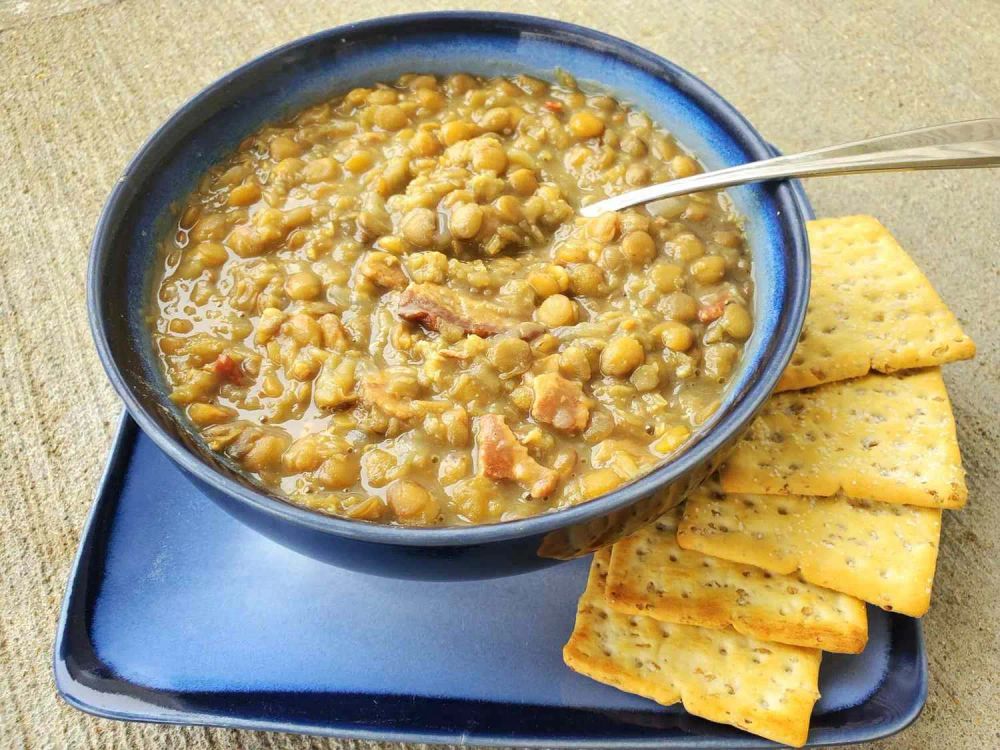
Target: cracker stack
[833,499]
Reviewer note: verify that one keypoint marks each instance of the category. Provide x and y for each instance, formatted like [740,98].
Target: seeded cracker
[879,552]
[651,575]
[870,308]
[765,688]
[884,437]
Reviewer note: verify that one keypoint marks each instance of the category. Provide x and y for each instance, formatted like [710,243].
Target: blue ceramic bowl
[289,78]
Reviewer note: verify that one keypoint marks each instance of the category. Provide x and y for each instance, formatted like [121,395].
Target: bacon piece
[501,456]
[383,269]
[560,402]
[433,306]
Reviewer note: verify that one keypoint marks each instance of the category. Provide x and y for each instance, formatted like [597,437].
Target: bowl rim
[792,221]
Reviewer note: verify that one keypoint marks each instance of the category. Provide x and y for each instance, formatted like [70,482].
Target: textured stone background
[82,82]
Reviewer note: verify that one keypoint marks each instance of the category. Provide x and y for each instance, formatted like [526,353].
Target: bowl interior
[169,165]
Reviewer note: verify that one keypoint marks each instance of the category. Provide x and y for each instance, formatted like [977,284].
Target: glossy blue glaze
[177,613]
[310,69]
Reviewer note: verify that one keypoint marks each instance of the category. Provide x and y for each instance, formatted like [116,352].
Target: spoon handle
[957,145]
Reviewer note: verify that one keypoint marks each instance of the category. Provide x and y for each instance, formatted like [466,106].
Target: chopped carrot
[227,368]
[713,311]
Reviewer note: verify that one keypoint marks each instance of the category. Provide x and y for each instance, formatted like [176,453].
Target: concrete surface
[82,82]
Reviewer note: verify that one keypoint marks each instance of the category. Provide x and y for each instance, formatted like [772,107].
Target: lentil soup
[387,309]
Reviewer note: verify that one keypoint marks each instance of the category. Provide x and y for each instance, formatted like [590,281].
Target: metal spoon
[958,145]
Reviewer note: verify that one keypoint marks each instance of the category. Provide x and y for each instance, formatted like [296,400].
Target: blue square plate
[177,613]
